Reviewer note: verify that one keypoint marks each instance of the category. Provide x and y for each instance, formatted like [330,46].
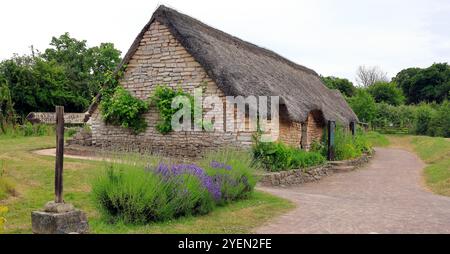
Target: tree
[102,61]
[367,76]
[363,105]
[387,92]
[38,85]
[85,67]
[68,73]
[343,85]
[429,84]
[7,114]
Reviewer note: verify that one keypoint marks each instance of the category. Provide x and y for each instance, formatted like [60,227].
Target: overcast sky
[331,37]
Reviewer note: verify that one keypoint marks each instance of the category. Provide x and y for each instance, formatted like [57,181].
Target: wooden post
[352,128]
[59,154]
[331,129]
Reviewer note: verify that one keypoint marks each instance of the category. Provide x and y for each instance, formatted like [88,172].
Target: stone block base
[74,221]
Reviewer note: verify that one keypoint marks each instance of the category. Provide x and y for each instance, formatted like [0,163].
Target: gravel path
[386,196]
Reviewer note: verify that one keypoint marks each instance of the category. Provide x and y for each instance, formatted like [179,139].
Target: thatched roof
[242,68]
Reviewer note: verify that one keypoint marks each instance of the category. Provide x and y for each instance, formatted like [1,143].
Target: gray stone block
[74,221]
[52,207]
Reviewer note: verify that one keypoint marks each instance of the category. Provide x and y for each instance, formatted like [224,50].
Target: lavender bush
[133,193]
[190,189]
[233,171]
[174,171]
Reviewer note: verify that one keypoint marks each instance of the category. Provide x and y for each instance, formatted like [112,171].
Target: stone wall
[290,132]
[161,59]
[299,176]
[315,126]
[83,137]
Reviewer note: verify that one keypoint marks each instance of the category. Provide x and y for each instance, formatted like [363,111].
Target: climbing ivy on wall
[119,107]
[162,98]
[122,108]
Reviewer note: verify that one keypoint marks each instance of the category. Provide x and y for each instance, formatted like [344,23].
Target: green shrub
[128,194]
[304,159]
[162,98]
[186,195]
[392,117]
[131,194]
[71,132]
[234,170]
[276,156]
[439,124]
[430,119]
[424,115]
[348,147]
[29,130]
[119,107]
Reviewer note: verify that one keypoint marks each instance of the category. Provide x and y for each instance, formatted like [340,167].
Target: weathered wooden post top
[58,217]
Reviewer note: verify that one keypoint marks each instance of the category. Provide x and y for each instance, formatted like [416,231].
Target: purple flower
[219,165]
[191,169]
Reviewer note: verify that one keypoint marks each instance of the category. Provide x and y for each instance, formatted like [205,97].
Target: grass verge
[435,152]
[377,139]
[34,175]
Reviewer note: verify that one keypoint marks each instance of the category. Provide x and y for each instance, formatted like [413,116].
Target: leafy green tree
[85,67]
[343,85]
[19,76]
[363,105]
[38,85]
[101,60]
[7,114]
[429,84]
[387,92]
[123,109]
[68,73]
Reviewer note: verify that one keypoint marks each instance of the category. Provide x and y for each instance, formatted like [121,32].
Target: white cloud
[332,37]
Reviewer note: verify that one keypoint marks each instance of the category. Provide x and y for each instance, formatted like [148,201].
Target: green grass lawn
[377,139]
[33,177]
[435,152]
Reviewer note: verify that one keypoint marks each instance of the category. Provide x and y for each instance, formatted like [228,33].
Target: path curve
[386,196]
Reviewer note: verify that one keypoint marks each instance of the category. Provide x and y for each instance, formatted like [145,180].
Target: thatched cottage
[175,49]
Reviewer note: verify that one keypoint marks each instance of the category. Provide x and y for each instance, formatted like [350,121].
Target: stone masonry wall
[297,176]
[312,174]
[161,59]
[290,132]
[315,127]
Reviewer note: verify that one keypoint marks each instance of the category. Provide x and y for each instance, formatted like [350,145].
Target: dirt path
[384,197]
[52,152]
